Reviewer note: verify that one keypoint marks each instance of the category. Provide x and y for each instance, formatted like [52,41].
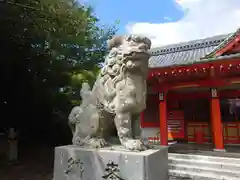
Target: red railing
[198,127]
[231,132]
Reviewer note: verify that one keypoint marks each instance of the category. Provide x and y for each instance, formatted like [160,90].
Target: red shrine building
[194,93]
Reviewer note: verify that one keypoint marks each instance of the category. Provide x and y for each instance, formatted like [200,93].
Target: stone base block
[76,163]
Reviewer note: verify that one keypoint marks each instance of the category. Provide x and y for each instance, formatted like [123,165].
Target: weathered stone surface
[76,163]
[118,94]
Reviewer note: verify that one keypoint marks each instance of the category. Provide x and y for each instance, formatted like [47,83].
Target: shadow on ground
[35,163]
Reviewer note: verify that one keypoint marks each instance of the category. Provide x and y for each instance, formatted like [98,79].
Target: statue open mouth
[138,55]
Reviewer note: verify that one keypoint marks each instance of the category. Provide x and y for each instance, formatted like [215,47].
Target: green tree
[48,48]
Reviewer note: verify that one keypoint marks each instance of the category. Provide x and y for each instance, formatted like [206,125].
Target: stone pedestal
[115,163]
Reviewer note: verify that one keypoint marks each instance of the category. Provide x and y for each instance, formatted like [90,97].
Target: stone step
[206,158]
[177,178]
[203,170]
[204,163]
[198,176]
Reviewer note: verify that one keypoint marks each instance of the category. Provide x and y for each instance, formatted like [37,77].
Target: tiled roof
[184,53]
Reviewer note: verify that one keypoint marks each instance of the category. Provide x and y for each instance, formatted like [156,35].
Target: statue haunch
[118,93]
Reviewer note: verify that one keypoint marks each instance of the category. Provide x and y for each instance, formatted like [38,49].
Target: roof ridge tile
[190,45]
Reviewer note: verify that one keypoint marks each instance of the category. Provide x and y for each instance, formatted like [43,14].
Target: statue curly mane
[117,63]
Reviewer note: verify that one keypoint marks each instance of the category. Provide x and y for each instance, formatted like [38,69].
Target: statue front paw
[135,145]
[97,143]
[77,141]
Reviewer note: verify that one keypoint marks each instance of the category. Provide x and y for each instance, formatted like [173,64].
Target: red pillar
[216,121]
[163,119]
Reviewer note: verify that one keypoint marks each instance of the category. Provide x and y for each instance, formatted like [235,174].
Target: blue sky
[134,11]
[170,21]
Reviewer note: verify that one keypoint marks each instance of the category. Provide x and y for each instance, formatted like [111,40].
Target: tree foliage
[48,48]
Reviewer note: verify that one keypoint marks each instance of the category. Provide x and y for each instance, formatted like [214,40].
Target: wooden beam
[199,83]
[228,46]
[202,95]
[155,72]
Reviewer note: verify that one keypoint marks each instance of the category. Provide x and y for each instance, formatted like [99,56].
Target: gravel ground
[34,164]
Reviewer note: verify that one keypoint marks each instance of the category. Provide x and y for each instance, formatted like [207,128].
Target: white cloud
[203,18]
[167,18]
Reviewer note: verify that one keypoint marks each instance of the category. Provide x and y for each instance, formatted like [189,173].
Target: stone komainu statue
[118,93]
